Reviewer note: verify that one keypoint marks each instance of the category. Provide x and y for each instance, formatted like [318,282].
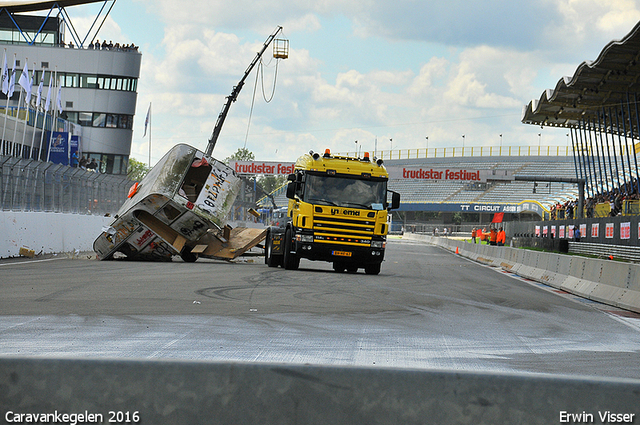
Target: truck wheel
[188,256]
[269,259]
[291,261]
[339,267]
[372,268]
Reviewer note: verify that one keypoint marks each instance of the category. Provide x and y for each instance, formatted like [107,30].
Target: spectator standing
[93,165]
[493,236]
[502,237]
[576,233]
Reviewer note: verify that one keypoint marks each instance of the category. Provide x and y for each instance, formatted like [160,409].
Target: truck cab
[337,212]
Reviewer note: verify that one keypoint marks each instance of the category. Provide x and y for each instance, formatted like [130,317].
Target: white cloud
[496,63]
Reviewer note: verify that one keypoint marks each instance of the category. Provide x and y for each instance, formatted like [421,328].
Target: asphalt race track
[428,309]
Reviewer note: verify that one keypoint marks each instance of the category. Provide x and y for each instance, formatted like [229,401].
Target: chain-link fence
[29,185]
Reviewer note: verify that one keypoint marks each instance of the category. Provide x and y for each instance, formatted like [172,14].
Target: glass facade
[89,81]
[100,119]
[109,163]
[9,36]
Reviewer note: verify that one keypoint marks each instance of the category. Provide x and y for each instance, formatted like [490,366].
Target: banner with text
[445,174]
[59,152]
[272,168]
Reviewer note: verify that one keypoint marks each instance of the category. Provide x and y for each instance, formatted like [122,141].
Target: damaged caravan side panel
[179,208]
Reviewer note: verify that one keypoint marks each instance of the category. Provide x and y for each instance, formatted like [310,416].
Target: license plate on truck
[341,253]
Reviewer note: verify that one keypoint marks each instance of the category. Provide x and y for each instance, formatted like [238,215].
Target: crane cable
[275,78]
[253,98]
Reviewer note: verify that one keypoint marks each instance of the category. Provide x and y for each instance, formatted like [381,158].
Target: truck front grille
[330,229]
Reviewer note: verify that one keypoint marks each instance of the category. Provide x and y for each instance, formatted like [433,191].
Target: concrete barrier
[48,233]
[171,392]
[605,281]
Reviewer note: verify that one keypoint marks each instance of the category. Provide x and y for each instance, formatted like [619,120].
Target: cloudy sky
[393,74]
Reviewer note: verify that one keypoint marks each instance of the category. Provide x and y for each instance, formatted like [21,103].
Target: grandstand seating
[417,191]
[430,192]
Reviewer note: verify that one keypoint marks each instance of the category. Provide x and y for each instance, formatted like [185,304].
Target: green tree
[242,154]
[137,170]
[271,183]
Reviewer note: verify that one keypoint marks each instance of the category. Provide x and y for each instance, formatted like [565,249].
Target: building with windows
[98,85]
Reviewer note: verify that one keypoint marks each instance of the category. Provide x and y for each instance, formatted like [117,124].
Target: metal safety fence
[30,185]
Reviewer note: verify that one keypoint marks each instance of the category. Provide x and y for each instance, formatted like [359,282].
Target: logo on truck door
[336,211]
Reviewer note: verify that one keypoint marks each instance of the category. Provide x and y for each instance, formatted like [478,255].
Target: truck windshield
[345,192]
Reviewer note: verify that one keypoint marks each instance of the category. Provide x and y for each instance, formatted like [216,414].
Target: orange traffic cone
[457,250]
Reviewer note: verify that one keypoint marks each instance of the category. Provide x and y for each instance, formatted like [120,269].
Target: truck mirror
[395,201]
[291,190]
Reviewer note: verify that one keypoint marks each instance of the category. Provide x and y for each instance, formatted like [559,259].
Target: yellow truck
[337,212]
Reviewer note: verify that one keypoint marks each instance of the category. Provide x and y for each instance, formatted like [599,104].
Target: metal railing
[30,185]
[631,253]
[473,151]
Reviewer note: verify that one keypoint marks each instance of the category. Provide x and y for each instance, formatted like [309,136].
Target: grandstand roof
[32,6]
[607,80]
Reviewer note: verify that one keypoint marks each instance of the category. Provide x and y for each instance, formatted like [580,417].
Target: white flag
[39,93]
[47,103]
[26,82]
[60,99]
[5,75]
[12,79]
[24,78]
[147,120]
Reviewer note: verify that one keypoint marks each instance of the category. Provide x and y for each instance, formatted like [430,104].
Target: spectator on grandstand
[569,209]
[576,233]
[589,204]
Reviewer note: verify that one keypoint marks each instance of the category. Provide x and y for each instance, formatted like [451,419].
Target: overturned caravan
[179,208]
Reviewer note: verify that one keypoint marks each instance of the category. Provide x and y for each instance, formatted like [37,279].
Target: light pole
[356,148]
[463,145]
[539,139]
[426,154]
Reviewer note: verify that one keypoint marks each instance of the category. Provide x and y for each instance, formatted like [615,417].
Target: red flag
[497,217]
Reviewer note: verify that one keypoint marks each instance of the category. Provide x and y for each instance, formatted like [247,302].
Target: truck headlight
[377,244]
[304,238]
